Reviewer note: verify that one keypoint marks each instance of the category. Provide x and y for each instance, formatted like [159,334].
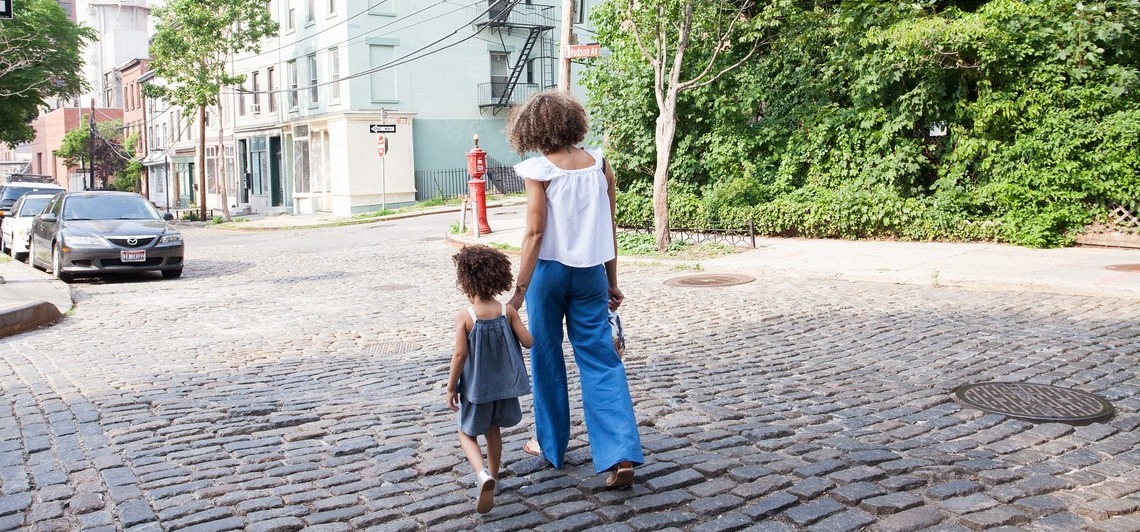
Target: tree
[192,41]
[110,157]
[663,32]
[39,59]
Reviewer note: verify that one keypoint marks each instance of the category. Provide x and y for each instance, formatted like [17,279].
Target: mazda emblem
[132,241]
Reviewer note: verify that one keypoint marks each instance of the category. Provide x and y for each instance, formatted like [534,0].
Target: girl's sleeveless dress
[494,376]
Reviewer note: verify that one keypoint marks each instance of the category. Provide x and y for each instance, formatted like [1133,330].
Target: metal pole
[91,148]
[166,171]
[564,49]
[383,183]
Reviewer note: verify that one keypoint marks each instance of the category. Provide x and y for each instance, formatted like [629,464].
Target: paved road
[293,380]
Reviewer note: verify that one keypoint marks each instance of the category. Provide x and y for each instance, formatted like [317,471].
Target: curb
[354,221]
[19,318]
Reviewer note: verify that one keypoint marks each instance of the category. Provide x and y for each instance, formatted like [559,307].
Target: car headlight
[85,241]
[170,239]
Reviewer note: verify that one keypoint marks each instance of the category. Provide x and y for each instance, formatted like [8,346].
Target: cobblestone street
[294,380]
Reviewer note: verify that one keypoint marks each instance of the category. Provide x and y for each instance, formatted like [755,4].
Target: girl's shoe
[621,476]
[486,498]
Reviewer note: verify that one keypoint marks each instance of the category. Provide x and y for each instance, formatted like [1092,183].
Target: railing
[491,93]
[501,13]
[711,233]
[452,182]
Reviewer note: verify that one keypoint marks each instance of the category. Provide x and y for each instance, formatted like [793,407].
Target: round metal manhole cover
[1123,267]
[391,348]
[710,280]
[1034,402]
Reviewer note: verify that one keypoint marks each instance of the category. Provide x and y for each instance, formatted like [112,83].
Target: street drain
[710,280]
[1123,267]
[1034,402]
[391,348]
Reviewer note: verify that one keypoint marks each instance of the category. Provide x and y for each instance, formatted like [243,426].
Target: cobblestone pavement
[294,380]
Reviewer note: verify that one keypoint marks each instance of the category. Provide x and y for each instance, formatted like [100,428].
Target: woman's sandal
[621,477]
[532,447]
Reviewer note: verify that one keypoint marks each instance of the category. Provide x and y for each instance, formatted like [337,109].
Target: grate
[1123,267]
[710,280]
[391,348]
[1034,402]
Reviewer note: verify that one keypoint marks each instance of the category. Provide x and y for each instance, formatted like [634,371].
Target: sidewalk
[31,298]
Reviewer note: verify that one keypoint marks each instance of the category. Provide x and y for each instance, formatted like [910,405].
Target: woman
[569,271]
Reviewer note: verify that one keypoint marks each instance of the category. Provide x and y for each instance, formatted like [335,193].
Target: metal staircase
[520,65]
[505,17]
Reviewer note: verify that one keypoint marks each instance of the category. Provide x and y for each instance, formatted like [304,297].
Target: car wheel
[4,247]
[57,265]
[32,253]
[172,274]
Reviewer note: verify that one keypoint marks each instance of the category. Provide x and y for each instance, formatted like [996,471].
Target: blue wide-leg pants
[581,296]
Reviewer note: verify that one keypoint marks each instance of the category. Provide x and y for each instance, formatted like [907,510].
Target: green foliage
[40,59]
[834,130]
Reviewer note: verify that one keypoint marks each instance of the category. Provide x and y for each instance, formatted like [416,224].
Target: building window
[500,73]
[314,91]
[332,7]
[384,80]
[241,100]
[580,11]
[334,73]
[531,72]
[272,86]
[310,11]
[269,8]
[290,15]
[256,92]
[291,70]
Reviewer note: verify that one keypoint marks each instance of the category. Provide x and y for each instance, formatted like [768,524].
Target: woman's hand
[517,301]
[453,400]
[616,297]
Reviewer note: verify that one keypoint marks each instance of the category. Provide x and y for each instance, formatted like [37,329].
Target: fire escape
[512,19]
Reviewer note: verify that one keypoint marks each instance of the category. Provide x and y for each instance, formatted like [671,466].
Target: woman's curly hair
[546,122]
[482,271]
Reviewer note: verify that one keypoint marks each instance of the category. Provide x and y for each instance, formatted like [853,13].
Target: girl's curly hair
[482,271]
[546,122]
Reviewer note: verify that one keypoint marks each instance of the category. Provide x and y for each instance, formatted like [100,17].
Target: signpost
[381,151]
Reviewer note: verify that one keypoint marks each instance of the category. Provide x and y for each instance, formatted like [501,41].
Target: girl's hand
[616,297]
[453,401]
[517,301]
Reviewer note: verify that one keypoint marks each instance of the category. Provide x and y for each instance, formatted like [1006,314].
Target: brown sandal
[532,447]
[621,477]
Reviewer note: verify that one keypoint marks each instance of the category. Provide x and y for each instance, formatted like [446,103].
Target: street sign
[579,51]
[374,128]
[6,8]
[381,146]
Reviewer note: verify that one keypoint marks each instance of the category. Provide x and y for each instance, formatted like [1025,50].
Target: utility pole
[564,48]
[91,148]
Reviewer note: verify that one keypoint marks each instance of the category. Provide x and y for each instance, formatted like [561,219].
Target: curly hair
[546,122]
[482,271]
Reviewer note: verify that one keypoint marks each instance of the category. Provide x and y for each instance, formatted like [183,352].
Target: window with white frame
[291,71]
[383,81]
[290,14]
[255,81]
[310,11]
[314,91]
[241,100]
[334,73]
[271,84]
[332,7]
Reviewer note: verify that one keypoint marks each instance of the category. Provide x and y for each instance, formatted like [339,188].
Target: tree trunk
[222,165]
[202,162]
[666,129]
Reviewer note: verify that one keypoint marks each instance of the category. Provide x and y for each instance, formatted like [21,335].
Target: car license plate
[133,255]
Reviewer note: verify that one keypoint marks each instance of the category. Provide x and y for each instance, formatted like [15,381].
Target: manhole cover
[710,279]
[1034,402]
[391,348]
[1123,267]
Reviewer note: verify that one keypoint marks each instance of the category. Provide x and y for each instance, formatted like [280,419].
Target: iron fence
[452,183]
[715,233]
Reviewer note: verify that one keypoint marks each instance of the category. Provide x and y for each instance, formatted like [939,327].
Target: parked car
[97,232]
[18,185]
[16,226]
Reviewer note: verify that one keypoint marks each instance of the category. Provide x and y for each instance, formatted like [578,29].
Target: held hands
[517,301]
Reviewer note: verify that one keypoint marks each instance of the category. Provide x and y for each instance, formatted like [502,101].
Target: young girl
[487,372]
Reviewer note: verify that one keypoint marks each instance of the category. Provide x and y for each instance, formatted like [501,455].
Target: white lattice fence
[1125,219]
[1121,229]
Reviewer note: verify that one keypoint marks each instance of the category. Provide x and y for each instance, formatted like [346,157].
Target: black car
[97,232]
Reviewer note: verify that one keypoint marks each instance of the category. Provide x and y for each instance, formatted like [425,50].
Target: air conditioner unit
[255,108]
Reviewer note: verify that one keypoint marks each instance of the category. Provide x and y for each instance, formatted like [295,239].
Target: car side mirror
[48,217]
[167,216]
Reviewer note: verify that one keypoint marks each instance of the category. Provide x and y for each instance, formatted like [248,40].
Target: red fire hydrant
[477,186]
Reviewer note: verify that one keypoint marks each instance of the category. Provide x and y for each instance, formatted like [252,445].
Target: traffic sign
[381,146]
[6,8]
[374,128]
[578,51]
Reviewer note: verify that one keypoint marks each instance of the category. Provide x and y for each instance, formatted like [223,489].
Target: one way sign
[374,128]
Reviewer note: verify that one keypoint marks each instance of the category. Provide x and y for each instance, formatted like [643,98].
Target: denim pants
[581,296]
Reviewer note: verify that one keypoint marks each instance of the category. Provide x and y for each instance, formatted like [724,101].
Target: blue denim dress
[494,377]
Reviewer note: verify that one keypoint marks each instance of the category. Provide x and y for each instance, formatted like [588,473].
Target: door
[276,183]
[500,73]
